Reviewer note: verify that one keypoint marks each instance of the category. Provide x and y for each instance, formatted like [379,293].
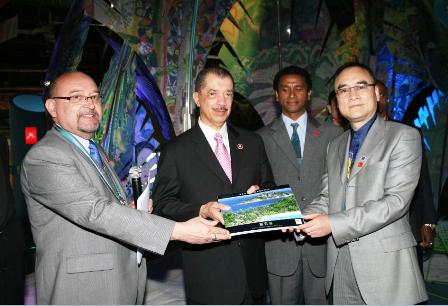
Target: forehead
[214,81]
[352,76]
[292,78]
[76,82]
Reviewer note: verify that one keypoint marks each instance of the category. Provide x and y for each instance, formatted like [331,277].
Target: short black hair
[354,64]
[218,71]
[293,70]
[377,81]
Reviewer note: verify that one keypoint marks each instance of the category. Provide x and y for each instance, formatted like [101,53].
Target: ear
[196,98]
[50,105]
[377,93]
[276,95]
[309,95]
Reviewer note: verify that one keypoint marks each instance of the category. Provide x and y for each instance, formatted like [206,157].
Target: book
[264,210]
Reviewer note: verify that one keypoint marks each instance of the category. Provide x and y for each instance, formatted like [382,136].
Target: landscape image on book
[264,210]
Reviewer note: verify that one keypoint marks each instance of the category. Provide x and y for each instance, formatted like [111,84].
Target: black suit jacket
[189,176]
[12,245]
[422,210]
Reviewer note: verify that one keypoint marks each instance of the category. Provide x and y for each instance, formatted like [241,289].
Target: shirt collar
[361,133]
[301,121]
[82,141]
[209,131]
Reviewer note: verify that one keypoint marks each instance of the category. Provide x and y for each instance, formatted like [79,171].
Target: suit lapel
[205,153]
[374,137]
[311,139]
[343,148]
[236,151]
[281,137]
[110,173]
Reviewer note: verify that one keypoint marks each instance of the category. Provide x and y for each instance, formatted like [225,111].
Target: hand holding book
[264,210]
[212,210]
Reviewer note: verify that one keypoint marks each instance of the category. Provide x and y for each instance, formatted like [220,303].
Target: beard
[88,121]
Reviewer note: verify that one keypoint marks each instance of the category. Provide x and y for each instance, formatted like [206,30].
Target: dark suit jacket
[189,176]
[422,209]
[11,238]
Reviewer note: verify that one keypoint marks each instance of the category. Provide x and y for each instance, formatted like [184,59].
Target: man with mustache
[211,159]
[86,235]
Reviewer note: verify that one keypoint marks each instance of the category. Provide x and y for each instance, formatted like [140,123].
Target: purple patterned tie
[223,156]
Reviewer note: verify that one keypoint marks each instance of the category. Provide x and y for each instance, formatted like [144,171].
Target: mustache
[88,112]
[221,108]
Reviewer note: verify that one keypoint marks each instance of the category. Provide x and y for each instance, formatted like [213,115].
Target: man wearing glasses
[372,171]
[86,235]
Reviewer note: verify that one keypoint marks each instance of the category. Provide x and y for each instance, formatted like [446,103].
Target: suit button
[239,244]
[303,198]
[298,178]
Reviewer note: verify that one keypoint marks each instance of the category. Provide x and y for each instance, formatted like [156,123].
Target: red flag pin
[240,146]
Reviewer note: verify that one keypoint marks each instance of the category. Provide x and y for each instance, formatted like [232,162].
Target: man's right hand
[199,231]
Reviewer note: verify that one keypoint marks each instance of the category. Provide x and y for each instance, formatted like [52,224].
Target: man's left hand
[253,189]
[317,225]
[212,211]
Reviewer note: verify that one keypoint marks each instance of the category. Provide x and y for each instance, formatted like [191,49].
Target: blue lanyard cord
[103,173]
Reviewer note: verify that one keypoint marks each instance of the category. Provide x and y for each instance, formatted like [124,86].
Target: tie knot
[218,138]
[295,125]
[92,146]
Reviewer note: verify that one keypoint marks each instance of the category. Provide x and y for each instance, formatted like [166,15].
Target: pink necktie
[223,156]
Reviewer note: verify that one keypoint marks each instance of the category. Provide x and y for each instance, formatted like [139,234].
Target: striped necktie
[223,156]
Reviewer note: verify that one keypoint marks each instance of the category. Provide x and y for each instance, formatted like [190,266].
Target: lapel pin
[363,158]
[360,164]
[240,146]
[316,133]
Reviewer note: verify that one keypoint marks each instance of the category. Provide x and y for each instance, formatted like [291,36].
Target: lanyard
[103,173]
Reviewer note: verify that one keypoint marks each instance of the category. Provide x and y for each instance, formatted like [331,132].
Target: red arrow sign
[30,135]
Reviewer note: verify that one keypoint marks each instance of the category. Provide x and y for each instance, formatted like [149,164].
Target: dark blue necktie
[295,140]
[94,153]
[353,151]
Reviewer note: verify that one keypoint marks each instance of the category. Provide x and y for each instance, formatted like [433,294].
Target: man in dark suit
[12,275]
[422,213]
[194,169]
[296,270]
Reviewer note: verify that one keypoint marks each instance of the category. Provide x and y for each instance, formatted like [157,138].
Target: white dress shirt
[210,135]
[301,130]
[83,142]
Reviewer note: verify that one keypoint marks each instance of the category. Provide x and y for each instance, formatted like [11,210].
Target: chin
[89,129]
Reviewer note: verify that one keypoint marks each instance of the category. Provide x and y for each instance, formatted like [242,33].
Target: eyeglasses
[80,99]
[344,92]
